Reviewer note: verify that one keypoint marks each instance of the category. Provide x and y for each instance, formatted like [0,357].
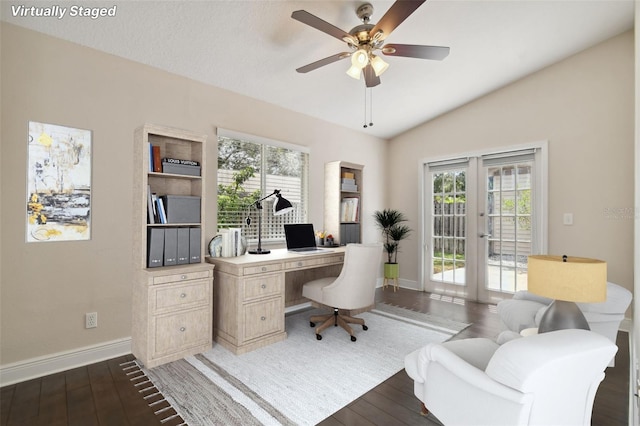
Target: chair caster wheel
[312,324]
[318,337]
[353,338]
[365,328]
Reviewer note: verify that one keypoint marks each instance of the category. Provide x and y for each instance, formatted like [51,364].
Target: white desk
[251,292]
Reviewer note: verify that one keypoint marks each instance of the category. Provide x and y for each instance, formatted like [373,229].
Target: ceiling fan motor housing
[361,32]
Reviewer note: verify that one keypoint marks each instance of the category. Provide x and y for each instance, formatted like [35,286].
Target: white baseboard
[408,284]
[42,366]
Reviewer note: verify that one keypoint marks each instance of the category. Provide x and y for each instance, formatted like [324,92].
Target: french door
[483,215]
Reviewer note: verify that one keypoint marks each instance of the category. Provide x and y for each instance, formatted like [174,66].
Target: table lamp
[567,280]
[280,207]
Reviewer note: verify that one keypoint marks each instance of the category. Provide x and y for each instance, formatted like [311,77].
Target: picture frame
[58,204]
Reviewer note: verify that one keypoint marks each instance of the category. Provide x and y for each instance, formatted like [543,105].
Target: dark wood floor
[105,394]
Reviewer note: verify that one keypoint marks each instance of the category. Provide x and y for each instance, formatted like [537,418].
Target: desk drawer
[262,269]
[181,296]
[263,286]
[172,278]
[338,258]
[304,263]
[175,333]
[263,318]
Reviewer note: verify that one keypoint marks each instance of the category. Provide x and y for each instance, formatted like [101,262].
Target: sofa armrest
[526,295]
[467,373]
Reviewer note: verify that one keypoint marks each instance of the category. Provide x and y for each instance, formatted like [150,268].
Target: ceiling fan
[367,40]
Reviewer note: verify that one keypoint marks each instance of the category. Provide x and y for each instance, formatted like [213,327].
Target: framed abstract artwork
[58,204]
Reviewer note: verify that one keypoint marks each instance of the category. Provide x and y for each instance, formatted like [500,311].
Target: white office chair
[544,379]
[354,288]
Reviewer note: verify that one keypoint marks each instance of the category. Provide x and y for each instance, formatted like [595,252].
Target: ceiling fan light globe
[360,58]
[354,72]
[379,65]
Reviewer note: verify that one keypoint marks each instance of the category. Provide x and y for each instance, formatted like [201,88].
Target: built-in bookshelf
[173,286]
[343,201]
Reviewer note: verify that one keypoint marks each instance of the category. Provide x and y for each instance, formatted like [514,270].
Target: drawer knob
[264,269]
[263,286]
[183,277]
[182,329]
[183,295]
[299,263]
[263,318]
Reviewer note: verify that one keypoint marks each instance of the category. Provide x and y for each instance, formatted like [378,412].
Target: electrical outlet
[91,320]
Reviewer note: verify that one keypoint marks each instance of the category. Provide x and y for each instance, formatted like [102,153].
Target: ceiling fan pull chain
[365,107]
[370,107]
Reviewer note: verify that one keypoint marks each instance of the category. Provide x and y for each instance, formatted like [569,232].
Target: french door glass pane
[508,226]
[449,226]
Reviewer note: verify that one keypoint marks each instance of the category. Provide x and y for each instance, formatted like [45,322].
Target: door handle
[484,235]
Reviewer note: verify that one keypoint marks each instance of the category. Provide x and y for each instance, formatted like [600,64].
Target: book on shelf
[170,246]
[155,247]
[180,169]
[150,148]
[179,161]
[349,210]
[161,215]
[194,245]
[349,188]
[151,217]
[154,204]
[157,161]
[183,246]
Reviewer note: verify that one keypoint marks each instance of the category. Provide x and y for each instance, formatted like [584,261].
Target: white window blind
[251,167]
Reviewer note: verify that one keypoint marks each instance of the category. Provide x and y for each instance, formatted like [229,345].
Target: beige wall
[47,287]
[584,107]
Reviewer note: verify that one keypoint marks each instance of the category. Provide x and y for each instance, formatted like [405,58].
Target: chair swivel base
[336,319]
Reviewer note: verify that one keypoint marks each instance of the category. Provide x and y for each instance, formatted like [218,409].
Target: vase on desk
[320,241]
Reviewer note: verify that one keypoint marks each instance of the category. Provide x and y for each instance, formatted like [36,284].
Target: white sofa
[544,379]
[525,310]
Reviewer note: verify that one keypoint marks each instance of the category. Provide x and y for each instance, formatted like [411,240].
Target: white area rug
[299,381]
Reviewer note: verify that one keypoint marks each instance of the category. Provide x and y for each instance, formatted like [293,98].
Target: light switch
[567,219]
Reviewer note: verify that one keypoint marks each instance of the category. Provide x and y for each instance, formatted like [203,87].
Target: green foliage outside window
[233,197]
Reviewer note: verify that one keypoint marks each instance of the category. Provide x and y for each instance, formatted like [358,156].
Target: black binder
[155,247]
[183,246]
[194,245]
[170,246]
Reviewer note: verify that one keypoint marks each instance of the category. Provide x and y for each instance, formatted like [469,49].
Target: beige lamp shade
[577,280]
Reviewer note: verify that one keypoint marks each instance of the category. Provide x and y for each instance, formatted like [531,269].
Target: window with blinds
[250,168]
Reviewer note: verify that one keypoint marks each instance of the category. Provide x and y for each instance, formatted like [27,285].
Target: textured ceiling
[254,47]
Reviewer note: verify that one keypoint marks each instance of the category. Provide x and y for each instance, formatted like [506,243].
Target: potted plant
[390,223]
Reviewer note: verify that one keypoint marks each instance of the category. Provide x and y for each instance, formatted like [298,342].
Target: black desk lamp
[281,207]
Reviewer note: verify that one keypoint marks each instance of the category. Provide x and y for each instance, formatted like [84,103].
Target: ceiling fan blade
[370,77]
[319,24]
[322,62]
[396,14]
[437,53]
